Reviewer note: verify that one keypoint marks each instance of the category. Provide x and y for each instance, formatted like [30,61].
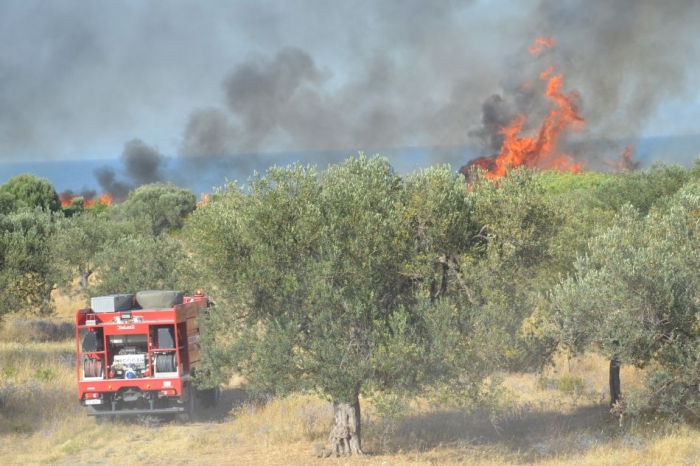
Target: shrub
[565,383]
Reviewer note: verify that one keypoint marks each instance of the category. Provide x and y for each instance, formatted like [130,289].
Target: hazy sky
[93,78]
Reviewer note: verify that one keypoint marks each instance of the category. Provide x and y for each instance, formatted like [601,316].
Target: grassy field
[553,419]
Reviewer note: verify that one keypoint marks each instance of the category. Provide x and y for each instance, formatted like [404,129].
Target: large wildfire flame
[67,198]
[540,149]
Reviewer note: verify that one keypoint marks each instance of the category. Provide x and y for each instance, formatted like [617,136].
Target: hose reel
[166,362]
[93,367]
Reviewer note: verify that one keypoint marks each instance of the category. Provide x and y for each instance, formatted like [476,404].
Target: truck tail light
[167,392]
[91,396]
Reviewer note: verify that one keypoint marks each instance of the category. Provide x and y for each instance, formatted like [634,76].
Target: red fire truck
[138,354]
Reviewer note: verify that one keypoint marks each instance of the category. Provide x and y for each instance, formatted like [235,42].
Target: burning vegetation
[203,199]
[89,198]
[540,146]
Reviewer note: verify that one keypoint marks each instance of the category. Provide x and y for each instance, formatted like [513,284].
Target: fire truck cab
[137,354]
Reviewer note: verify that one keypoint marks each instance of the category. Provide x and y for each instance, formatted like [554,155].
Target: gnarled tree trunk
[346,434]
[45,306]
[84,277]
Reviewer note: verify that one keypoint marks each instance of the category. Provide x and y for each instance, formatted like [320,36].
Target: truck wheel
[188,414]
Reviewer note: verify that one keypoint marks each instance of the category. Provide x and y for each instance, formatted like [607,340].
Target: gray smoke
[142,165]
[107,179]
[221,83]
[626,58]
[400,83]
[285,101]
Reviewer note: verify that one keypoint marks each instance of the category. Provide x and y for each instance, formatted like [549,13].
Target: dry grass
[556,418]
[65,305]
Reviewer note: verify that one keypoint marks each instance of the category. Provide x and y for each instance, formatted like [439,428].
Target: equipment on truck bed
[138,354]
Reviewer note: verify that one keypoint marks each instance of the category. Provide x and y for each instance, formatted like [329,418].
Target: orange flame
[547,72]
[203,199]
[106,199]
[541,42]
[66,199]
[540,149]
[626,161]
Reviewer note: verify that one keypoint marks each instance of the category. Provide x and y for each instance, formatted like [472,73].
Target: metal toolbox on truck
[112,303]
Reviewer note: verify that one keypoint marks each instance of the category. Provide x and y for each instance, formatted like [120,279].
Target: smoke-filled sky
[143,80]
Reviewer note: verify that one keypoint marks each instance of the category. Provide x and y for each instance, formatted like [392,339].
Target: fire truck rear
[138,354]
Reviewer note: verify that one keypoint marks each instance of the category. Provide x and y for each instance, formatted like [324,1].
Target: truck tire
[188,414]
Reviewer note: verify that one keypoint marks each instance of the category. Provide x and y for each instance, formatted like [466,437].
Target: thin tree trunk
[615,391]
[346,438]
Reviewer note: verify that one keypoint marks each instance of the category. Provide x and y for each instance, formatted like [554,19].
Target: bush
[565,383]
[43,375]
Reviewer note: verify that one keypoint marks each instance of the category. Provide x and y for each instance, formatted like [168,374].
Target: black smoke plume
[142,165]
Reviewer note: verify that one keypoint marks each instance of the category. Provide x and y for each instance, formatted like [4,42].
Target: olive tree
[164,206]
[27,274]
[138,262]
[516,257]
[30,191]
[333,282]
[635,296]
[81,237]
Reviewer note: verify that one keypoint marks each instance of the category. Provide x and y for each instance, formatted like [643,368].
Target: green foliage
[639,286]
[322,281]
[517,258]
[138,262]
[440,227]
[9,372]
[27,274]
[44,375]
[565,383]
[164,207]
[125,246]
[695,170]
[30,191]
[357,280]
[517,218]
[80,238]
[556,182]
[7,203]
[77,206]
[99,206]
[642,188]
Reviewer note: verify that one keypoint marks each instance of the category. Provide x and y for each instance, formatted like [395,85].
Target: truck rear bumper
[134,412]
